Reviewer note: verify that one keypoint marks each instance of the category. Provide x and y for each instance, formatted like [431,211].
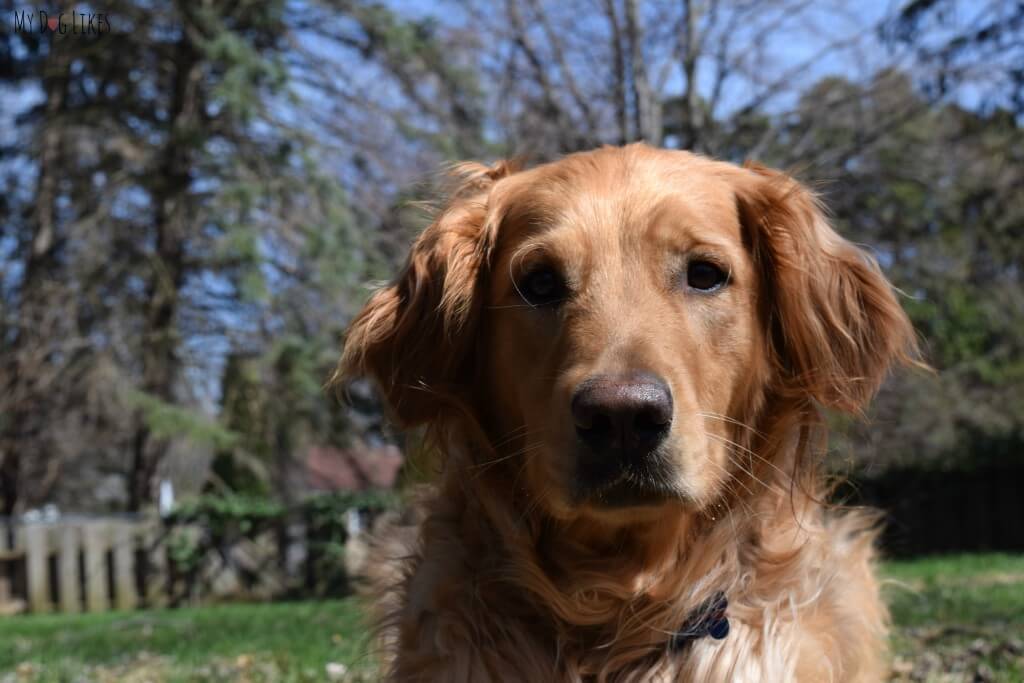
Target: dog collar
[707,620]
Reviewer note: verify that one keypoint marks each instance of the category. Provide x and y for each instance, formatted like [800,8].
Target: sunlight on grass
[958,618]
[954,618]
[271,642]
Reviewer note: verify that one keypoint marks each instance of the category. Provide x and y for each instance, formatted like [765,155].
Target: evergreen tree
[172,205]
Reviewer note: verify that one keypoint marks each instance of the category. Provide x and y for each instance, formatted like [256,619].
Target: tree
[965,49]
[176,205]
[935,191]
[46,324]
[192,202]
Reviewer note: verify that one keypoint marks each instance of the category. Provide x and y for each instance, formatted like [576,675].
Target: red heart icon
[52,23]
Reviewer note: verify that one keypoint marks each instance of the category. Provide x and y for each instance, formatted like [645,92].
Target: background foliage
[192,204]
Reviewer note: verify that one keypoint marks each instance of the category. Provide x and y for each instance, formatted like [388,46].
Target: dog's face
[615,322]
[620,330]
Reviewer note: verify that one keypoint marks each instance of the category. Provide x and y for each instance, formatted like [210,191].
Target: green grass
[958,617]
[959,614]
[970,589]
[264,642]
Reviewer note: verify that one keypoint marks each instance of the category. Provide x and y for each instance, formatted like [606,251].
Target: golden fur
[511,577]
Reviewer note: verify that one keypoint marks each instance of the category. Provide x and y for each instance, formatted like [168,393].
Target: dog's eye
[705,276]
[542,287]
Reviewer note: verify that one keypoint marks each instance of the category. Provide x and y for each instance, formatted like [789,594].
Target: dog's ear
[414,338]
[835,326]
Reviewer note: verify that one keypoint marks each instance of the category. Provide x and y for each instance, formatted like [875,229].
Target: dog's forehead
[652,196]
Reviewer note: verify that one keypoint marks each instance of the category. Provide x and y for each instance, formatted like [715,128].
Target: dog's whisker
[500,308]
[515,454]
[747,451]
[749,472]
[729,477]
[520,432]
[534,504]
[730,420]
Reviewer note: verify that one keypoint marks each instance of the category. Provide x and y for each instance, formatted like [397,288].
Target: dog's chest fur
[802,606]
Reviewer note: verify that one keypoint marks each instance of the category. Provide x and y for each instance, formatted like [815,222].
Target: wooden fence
[75,564]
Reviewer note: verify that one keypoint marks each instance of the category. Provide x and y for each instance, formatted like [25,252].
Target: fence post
[124,566]
[6,555]
[95,537]
[67,567]
[155,574]
[37,567]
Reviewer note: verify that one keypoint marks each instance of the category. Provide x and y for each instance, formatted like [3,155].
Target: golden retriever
[622,357]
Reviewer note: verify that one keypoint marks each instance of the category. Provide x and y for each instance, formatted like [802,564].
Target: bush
[209,528]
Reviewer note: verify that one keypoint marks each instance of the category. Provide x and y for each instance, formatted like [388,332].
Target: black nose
[626,416]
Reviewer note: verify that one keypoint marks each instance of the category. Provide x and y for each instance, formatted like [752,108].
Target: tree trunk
[170,196]
[25,399]
[693,116]
[644,102]
[619,72]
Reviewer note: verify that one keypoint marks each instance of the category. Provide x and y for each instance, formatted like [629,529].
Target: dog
[622,358]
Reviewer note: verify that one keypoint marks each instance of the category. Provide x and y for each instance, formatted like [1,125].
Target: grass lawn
[956,619]
[287,642]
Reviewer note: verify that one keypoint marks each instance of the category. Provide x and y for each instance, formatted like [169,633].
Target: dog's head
[615,327]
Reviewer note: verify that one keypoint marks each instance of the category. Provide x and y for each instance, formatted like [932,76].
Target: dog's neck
[584,558]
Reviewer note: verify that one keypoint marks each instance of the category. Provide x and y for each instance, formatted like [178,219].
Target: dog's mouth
[611,484]
[626,492]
